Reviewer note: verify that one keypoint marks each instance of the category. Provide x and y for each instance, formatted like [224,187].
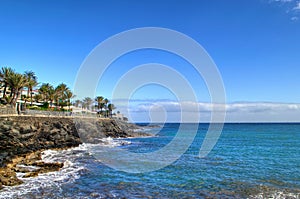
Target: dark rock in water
[31,174]
[42,167]
[45,167]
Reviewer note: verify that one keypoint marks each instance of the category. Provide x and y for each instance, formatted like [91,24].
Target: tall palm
[77,103]
[51,95]
[16,82]
[110,108]
[45,90]
[5,74]
[47,93]
[31,83]
[60,93]
[38,98]
[69,95]
[100,104]
[105,102]
[87,102]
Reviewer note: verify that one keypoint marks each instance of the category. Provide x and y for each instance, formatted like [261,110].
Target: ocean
[248,161]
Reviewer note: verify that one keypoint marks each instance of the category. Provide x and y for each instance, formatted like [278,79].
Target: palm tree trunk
[30,97]
[12,97]
[11,92]
[4,90]
[26,99]
[17,96]
[25,103]
[69,103]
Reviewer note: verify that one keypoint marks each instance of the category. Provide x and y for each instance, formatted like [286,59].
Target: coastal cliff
[22,138]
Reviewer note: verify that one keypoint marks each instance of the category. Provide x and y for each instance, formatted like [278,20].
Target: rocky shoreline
[23,138]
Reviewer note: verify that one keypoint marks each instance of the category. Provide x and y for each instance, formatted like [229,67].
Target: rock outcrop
[22,138]
[22,135]
[92,130]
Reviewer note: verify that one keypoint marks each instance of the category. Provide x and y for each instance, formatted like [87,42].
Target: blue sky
[255,44]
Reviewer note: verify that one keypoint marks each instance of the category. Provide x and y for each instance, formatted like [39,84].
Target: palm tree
[17,82]
[5,74]
[38,98]
[111,107]
[31,82]
[69,95]
[51,95]
[77,103]
[87,102]
[47,93]
[100,104]
[60,93]
[105,101]
[43,91]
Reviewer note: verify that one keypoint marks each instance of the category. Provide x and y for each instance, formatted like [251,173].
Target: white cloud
[297,7]
[292,7]
[284,1]
[235,112]
[189,106]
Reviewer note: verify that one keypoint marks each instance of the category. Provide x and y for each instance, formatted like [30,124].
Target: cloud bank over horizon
[170,111]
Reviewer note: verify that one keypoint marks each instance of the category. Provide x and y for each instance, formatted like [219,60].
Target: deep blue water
[248,161]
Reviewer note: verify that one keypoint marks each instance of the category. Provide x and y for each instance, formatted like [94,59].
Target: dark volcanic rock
[92,129]
[21,135]
[22,138]
[42,167]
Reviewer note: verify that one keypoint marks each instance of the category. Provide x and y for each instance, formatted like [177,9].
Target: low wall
[7,110]
[46,113]
[56,113]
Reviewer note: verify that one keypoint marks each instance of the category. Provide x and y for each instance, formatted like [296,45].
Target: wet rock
[31,174]
[45,167]
[8,177]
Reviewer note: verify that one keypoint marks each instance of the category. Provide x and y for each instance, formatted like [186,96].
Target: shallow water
[249,161]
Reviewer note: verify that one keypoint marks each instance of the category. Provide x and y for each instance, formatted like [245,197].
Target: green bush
[34,108]
[45,105]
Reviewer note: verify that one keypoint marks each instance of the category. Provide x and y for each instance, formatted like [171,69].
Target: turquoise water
[249,161]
